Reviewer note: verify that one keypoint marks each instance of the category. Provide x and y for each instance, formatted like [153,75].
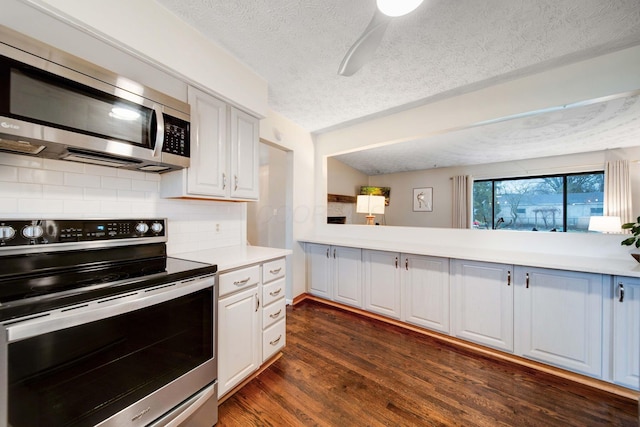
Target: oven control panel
[15,232]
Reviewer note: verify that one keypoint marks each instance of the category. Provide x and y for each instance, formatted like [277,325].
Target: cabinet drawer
[274,312]
[273,339]
[272,291]
[239,279]
[273,270]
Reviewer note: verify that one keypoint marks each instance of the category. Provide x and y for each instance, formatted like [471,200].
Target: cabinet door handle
[621,288]
[396,262]
[276,341]
[274,293]
[276,314]
[257,302]
[527,281]
[224,180]
[276,271]
[242,282]
[509,278]
[334,253]
[406,264]
[235,182]
[327,252]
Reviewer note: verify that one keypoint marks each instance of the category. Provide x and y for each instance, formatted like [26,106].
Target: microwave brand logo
[9,126]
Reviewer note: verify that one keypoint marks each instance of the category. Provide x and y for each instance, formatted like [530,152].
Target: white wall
[42,188]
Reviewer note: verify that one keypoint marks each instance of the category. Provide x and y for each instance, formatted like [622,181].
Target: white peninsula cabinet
[425,291]
[335,273]
[626,332]
[224,153]
[559,318]
[482,303]
[382,282]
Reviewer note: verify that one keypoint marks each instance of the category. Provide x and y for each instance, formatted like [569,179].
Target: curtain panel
[617,190]
[462,192]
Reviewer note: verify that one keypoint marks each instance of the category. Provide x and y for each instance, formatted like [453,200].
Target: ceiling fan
[363,49]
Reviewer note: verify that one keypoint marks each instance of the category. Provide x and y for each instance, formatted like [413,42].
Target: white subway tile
[81,180]
[63,165]
[21,190]
[100,194]
[19,160]
[62,192]
[139,185]
[82,208]
[152,176]
[8,205]
[40,207]
[128,195]
[40,176]
[116,183]
[126,173]
[8,173]
[100,170]
[115,208]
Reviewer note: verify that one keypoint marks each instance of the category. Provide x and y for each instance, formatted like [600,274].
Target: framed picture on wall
[423,199]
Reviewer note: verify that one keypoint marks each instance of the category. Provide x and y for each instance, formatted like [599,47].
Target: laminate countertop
[231,257]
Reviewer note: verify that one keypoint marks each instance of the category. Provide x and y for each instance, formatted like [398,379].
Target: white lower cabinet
[335,273]
[382,282]
[425,291]
[559,318]
[239,338]
[482,303]
[626,332]
[251,320]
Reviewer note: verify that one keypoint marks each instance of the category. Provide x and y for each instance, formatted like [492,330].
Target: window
[546,203]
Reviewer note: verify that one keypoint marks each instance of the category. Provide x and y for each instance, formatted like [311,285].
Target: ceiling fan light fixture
[397,7]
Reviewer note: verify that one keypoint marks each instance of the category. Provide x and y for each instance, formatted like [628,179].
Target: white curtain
[462,192]
[617,190]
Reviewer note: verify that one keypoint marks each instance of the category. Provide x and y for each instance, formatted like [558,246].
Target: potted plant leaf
[634,240]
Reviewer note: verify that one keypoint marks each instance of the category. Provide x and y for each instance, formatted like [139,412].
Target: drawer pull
[276,271]
[274,293]
[621,287]
[276,314]
[276,341]
[242,282]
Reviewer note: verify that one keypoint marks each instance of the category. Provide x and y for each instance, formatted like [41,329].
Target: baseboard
[485,351]
[261,369]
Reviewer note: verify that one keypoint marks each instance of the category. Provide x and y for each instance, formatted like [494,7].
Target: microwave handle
[159,142]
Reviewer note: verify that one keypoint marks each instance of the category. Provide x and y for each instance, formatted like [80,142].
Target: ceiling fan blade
[363,49]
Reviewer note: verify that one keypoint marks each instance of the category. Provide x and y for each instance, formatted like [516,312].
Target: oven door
[126,360]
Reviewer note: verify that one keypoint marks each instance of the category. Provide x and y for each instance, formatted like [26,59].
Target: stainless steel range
[99,327]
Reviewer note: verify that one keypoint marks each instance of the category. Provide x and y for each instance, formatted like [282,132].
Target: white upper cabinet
[244,167]
[482,303]
[224,153]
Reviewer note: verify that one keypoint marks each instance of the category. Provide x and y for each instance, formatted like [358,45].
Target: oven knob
[142,227]
[156,227]
[7,232]
[32,231]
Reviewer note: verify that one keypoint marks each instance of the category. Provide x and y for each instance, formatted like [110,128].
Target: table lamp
[370,205]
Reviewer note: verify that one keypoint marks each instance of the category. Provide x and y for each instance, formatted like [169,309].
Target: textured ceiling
[443,48]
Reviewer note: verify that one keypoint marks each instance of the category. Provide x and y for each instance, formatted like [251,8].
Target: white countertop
[613,266]
[230,257]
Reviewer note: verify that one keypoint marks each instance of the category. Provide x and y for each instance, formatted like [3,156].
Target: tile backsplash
[31,187]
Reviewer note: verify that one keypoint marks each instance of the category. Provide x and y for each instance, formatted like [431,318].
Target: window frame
[564,177]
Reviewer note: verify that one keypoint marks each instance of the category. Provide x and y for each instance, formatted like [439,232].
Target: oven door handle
[103,308]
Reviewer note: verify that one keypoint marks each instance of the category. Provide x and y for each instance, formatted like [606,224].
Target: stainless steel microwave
[58,106]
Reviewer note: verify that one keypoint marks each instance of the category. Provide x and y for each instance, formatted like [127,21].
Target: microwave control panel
[176,136]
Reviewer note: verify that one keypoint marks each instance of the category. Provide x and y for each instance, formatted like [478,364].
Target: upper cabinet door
[245,133]
[208,173]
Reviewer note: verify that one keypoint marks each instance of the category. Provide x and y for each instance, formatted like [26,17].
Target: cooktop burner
[43,273]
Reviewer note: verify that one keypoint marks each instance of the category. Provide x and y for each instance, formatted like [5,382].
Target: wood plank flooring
[343,369]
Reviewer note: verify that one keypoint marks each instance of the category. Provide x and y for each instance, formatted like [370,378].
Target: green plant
[635,230]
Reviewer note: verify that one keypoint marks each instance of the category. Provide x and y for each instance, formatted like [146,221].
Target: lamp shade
[605,224]
[370,204]
[397,7]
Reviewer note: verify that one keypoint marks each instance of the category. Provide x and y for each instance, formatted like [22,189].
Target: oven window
[82,375]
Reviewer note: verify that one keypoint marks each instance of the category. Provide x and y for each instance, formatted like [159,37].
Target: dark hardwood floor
[343,369]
